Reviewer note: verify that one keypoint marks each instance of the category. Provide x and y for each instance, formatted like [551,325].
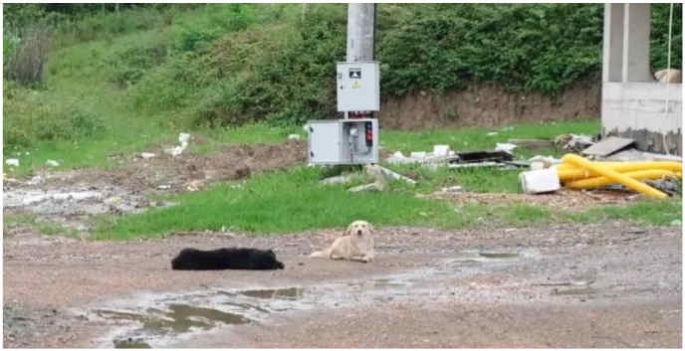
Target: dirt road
[608,285]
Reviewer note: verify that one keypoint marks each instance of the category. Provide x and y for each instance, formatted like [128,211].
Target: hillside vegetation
[121,78]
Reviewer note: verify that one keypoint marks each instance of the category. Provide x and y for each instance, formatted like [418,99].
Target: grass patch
[287,201]
[651,212]
[41,225]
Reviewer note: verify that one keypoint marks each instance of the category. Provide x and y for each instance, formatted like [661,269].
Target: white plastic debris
[418,154]
[441,150]
[175,151]
[12,162]
[147,155]
[294,137]
[547,161]
[491,134]
[506,147]
[183,138]
[452,189]
[51,163]
[540,181]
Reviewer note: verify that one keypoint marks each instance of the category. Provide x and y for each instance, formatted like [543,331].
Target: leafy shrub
[659,36]
[28,120]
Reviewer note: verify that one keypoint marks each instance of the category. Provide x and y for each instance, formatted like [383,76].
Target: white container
[540,181]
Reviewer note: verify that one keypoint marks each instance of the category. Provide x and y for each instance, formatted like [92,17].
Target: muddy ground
[601,285]
[606,285]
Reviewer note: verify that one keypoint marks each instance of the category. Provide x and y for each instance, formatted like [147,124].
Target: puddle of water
[290,293]
[499,254]
[179,318]
[388,283]
[577,291]
[131,344]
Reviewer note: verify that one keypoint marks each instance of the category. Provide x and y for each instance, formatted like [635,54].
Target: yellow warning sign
[356,85]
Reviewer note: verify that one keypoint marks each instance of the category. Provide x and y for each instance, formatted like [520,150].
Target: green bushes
[228,64]
[34,120]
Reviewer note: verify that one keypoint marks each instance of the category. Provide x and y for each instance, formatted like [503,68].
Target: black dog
[231,258]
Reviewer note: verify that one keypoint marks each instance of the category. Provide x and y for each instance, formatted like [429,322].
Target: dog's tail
[321,254]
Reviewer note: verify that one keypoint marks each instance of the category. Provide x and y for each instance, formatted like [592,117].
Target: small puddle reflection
[499,254]
[575,291]
[289,294]
[131,343]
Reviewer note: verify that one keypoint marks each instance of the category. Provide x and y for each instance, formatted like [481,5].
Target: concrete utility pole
[360,32]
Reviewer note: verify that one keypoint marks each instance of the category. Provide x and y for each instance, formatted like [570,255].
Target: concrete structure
[361,20]
[634,104]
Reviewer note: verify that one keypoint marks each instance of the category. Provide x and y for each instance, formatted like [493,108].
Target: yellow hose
[614,176]
[602,181]
[569,174]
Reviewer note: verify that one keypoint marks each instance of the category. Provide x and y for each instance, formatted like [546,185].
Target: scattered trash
[540,181]
[195,185]
[387,173]
[506,147]
[147,155]
[12,162]
[532,143]
[452,189]
[573,142]
[418,154]
[475,165]
[608,146]
[481,156]
[35,180]
[337,179]
[51,163]
[183,138]
[441,150]
[294,137]
[164,187]
[547,161]
[375,186]
[492,134]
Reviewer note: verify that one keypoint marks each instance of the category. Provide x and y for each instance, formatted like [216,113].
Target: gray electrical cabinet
[358,86]
[344,141]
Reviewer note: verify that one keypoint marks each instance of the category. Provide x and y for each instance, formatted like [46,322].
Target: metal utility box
[358,86]
[345,141]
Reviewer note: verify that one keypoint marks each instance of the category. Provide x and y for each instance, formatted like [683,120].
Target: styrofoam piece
[540,181]
[441,150]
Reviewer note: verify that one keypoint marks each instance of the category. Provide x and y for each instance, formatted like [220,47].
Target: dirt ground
[600,285]
[606,285]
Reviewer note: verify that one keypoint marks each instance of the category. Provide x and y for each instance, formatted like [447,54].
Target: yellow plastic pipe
[566,174]
[614,176]
[602,181]
[648,164]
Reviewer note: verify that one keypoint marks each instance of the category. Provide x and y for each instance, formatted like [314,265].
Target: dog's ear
[271,253]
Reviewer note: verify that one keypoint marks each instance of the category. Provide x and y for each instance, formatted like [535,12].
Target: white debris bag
[506,147]
[12,162]
[540,181]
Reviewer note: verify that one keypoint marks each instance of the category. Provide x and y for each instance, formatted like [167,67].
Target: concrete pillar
[612,52]
[635,66]
[360,32]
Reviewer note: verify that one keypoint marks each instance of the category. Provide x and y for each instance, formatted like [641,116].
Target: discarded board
[608,146]
[481,156]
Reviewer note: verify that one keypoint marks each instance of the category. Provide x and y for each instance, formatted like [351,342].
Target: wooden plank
[608,146]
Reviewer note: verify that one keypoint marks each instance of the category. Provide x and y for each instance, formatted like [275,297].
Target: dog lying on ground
[227,258]
[356,244]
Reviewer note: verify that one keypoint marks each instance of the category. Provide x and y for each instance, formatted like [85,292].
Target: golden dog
[356,244]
